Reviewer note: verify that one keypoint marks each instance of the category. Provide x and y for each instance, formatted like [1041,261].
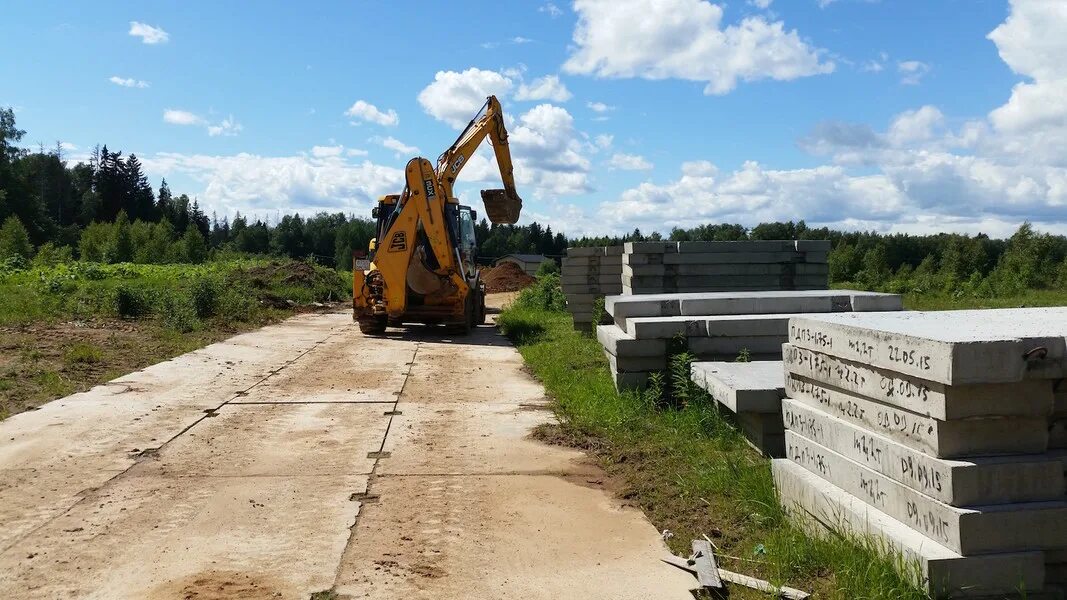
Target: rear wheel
[479,313]
[372,325]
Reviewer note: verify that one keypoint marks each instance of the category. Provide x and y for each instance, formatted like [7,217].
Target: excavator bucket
[502,206]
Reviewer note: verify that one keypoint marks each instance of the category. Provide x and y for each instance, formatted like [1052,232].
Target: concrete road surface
[304,457]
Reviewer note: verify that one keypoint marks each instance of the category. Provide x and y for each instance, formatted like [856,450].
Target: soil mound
[506,277]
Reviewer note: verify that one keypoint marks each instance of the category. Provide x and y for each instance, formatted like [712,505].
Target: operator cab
[462,220]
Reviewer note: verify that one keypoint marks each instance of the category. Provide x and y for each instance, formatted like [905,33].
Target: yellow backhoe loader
[422,266]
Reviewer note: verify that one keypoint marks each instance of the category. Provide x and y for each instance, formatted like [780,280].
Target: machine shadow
[482,335]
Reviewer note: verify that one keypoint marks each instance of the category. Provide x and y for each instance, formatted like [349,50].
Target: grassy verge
[69,327]
[687,468]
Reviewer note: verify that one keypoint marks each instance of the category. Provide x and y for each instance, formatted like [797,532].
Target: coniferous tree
[14,239]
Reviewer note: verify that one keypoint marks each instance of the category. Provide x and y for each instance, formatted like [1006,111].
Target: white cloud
[397,146]
[454,97]
[520,40]
[366,111]
[147,33]
[327,151]
[226,127]
[548,154]
[356,152]
[761,4]
[548,87]
[599,107]
[915,126]
[127,82]
[1032,43]
[912,71]
[919,175]
[67,146]
[181,117]
[604,141]
[684,39]
[551,9]
[252,183]
[629,162]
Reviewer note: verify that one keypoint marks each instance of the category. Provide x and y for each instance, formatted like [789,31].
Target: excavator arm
[501,205]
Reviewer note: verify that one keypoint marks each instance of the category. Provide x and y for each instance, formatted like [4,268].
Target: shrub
[50,255]
[179,314]
[132,302]
[549,267]
[205,297]
[14,240]
[544,294]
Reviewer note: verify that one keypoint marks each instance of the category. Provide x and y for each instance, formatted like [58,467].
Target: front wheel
[372,325]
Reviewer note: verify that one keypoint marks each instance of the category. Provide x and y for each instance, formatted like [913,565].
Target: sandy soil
[304,457]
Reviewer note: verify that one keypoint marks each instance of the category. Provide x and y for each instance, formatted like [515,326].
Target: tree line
[105,210]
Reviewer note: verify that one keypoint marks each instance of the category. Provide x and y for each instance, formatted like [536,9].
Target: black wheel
[372,325]
[479,317]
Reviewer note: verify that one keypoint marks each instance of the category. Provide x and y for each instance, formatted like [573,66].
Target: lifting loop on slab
[1041,352]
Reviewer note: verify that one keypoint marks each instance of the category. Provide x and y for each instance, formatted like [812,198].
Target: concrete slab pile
[587,275]
[656,267]
[752,392]
[713,326]
[937,425]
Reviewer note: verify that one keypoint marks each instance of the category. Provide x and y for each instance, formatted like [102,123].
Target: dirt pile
[505,277]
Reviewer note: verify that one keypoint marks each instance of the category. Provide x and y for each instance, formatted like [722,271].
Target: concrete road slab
[30,498]
[238,471]
[470,373]
[146,536]
[505,536]
[278,439]
[344,369]
[472,438]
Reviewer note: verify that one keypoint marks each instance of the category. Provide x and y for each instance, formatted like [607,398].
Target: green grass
[947,301]
[74,325]
[53,384]
[688,469]
[83,353]
[184,294]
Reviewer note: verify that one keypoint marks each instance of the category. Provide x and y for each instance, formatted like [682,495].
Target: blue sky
[899,116]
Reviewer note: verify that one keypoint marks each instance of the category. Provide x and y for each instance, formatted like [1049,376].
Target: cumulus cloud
[148,33]
[599,107]
[548,87]
[129,82]
[548,153]
[912,71]
[181,117]
[226,127]
[629,162]
[365,111]
[327,151]
[920,173]
[918,125]
[253,183]
[397,146]
[686,39]
[550,9]
[453,97]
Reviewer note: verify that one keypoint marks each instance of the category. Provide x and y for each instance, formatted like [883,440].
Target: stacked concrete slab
[713,326]
[657,267]
[931,432]
[752,392]
[587,275]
